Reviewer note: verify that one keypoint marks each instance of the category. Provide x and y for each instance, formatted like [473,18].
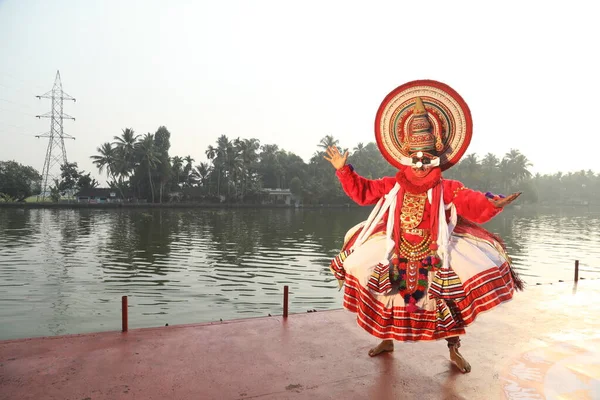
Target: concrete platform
[545,344]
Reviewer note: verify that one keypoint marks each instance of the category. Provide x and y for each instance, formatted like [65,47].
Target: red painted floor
[543,344]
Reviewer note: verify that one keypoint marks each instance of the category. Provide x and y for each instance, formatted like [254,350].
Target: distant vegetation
[238,170]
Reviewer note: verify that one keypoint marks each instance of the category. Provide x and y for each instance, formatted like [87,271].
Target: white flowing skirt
[478,279]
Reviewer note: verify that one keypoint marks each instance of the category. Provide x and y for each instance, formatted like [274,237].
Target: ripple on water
[64,271]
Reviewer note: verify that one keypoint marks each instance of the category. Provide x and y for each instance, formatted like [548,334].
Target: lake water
[64,271]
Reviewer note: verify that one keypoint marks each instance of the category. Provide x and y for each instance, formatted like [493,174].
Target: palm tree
[212,153]
[359,148]
[328,141]
[187,170]
[514,167]
[234,166]
[248,150]
[106,159]
[219,158]
[490,161]
[471,171]
[202,170]
[148,157]
[109,158]
[269,166]
[125,148]
[491,172]
[177,164]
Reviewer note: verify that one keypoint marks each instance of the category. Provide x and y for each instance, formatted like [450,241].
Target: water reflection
[63,271]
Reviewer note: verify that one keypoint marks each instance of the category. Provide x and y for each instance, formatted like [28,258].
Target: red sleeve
[470,204]
[362,190]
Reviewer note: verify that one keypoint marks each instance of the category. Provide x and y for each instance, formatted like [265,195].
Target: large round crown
[423,116]
[419,135]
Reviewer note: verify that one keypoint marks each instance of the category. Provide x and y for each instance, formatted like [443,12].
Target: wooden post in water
[576,271]
[124,312]
[285,301]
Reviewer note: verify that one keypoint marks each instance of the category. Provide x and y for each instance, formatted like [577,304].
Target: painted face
[422,163]
[421,171]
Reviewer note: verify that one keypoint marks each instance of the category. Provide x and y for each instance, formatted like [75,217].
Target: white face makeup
[420,161]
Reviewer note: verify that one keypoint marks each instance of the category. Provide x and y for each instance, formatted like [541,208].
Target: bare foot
[459,360]
[385,346]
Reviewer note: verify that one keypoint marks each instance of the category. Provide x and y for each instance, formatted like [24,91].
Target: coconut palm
[328,141]
[269,167]
[149,157]
[212,153]
[125,151]
[187,169]
[490,161]
[514,168]
[490,167]
[106,159]
[359,148]
[201,172]
[177,164]
[234,166]
[249,154]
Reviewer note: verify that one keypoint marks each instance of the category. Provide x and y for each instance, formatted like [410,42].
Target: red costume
[420,268]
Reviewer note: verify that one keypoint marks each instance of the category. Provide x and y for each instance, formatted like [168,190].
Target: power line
[17,111]
[2,131]
[22,81]
[15,103]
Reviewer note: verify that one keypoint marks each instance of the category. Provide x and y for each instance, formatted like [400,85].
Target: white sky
[290,73]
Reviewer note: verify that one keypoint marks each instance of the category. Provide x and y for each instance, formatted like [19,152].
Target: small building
[278,196]
[101,195]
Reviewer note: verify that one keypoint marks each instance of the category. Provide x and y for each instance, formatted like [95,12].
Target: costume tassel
[379,282]
[337,266]
[411,304]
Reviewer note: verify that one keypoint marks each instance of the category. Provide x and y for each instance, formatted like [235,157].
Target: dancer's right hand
[335,158]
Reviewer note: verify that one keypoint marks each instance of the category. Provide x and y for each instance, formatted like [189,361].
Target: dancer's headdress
[423,122]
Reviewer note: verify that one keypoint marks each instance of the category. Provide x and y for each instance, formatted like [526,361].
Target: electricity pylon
[56,154]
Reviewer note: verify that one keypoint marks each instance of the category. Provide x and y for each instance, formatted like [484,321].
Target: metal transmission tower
[56,154]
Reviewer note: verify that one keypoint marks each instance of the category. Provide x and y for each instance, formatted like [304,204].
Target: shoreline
[169,205]
[50,205]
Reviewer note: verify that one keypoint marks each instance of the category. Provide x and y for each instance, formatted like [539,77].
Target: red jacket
[470,204]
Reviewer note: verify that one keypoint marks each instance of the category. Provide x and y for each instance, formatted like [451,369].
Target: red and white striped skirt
[479,279]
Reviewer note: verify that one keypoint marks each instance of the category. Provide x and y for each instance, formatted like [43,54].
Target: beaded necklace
[414,252]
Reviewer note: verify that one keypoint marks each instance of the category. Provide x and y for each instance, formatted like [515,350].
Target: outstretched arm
[361,190]
[474,205]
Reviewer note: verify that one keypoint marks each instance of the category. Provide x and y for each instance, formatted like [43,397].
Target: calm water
[64,271]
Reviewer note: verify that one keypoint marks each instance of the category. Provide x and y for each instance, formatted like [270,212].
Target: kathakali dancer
[421,267]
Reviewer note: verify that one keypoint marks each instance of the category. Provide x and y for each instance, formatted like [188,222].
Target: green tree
[149,158]
[106,160]
[327,141]
[490,168]
[296,187]
[269,168]
[515,169]
[162,142]
[248,153]
[85,181]
[201,173]
[18,181]
[187,170]
[73,180]
[177,165]
[55,191]
[124,152]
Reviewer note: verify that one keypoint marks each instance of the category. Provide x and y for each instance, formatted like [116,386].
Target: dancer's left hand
[506,201]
